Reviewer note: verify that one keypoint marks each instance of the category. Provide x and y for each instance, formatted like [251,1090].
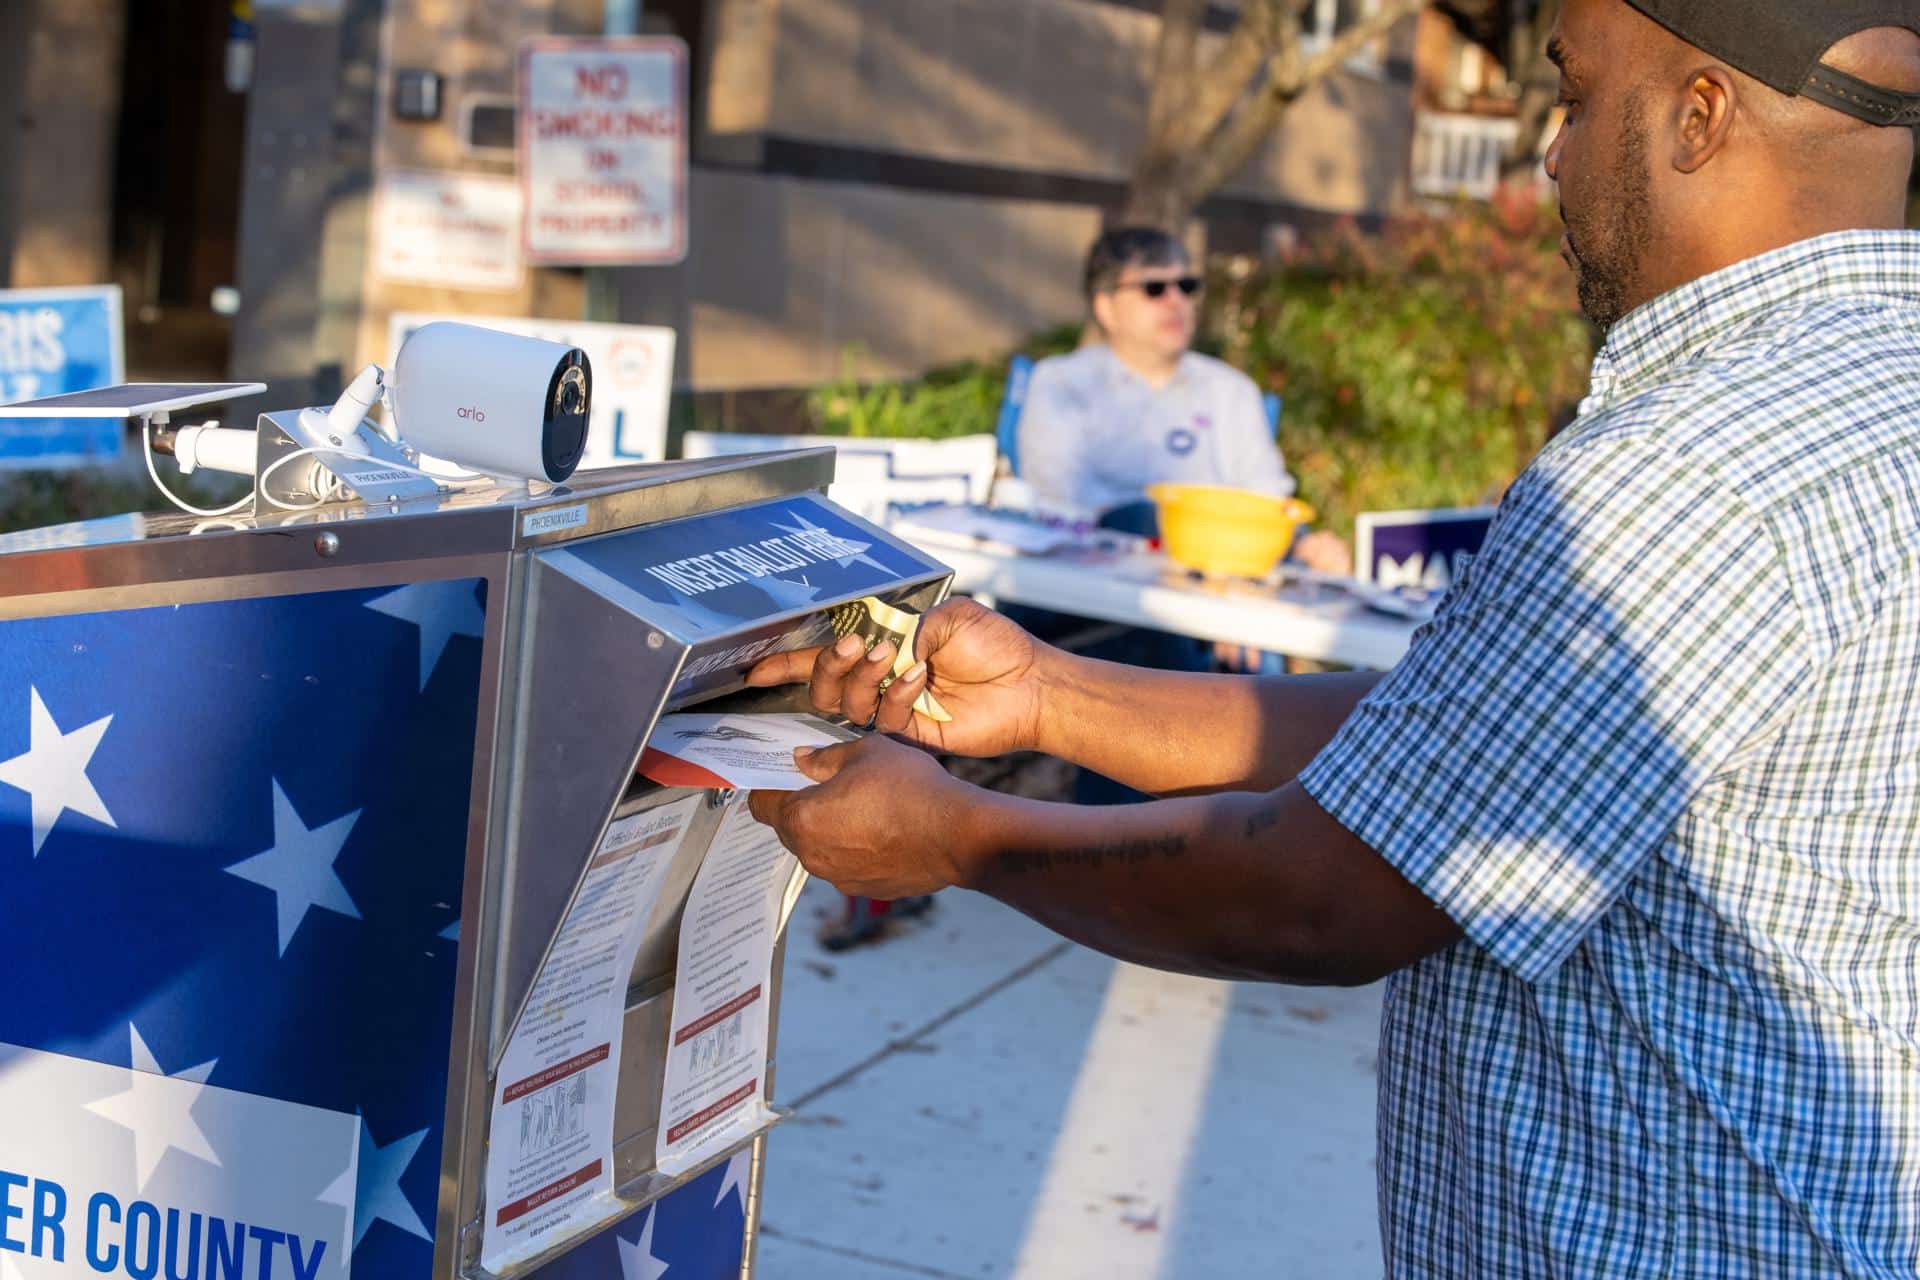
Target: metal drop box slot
[341,775]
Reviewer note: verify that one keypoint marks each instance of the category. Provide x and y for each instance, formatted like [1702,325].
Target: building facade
[914,181]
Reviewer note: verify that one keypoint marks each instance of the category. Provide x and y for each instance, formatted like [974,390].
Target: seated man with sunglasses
[1139,407]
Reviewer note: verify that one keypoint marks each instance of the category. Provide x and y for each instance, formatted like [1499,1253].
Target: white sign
[874,477]
[603,149]
[132,1172]
[714,1096]
[632,378]
[550,1152]
[452,230]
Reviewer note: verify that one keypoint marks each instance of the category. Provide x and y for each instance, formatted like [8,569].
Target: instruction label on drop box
[550,1154]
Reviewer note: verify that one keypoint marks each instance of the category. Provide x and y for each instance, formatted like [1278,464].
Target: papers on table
[986,528]
[714,1096]
[550,1159]
[1416,603]
[744,752]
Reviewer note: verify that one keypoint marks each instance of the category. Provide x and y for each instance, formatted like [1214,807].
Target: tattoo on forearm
[1127,853]
[1263,819]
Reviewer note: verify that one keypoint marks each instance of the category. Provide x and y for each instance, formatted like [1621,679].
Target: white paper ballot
[745,752]
[715,1091]
[550,1156]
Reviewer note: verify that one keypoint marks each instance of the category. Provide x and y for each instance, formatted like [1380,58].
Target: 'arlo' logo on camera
[473,413]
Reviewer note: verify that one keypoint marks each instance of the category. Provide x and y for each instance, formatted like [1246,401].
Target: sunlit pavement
[976,1098]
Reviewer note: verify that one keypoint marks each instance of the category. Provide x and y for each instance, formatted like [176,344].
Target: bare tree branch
[1349,42]
[1291,72]
[1204,125]
[1234,69]
[1175,66]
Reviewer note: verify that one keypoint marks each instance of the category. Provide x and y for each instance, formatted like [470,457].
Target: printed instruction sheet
[715,1091]
[745,752]
[551,1152]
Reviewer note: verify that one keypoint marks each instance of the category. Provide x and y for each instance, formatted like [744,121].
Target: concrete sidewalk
[976,1098]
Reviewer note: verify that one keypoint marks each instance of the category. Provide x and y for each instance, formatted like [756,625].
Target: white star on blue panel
[53,772]
[377,1193]
[636,1260]
[857,555]
[159,1115]
[299,867]
[739,1169]
[442,610]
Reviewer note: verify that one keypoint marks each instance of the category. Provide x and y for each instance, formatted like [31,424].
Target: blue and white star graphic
[636,1256]
[442,610]
[376,1185]
[158,1111]
[53,771]
[247,775]
[856,552]
[299,867]
[734,1181]
[264,772]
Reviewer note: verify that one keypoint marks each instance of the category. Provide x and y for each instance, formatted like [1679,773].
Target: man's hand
[886,821]
[1324,551]
[983,668]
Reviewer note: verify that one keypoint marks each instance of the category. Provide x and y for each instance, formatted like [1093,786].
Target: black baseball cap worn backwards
[1780,43]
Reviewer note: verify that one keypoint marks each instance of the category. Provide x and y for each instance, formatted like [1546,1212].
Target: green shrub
[1422,367]
[960,400]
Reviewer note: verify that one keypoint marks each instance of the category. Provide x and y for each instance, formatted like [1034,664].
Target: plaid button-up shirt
[1659,756]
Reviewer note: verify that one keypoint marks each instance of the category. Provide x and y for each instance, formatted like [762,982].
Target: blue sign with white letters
[53,341]
[1418,549]
[717,573]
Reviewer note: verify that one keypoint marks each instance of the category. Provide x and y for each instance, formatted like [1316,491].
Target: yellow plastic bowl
[1229,532]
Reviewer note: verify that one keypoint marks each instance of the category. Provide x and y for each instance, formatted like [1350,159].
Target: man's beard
[1608,250]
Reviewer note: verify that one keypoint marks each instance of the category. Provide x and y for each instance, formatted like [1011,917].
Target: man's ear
[1103,311]
[1706,118]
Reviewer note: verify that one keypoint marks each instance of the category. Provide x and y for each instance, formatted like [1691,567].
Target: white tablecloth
[1145,589]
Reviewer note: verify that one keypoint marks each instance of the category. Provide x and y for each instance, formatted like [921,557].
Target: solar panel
[130,400]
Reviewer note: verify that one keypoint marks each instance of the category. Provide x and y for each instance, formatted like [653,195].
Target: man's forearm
[1171,733]
[1264,887]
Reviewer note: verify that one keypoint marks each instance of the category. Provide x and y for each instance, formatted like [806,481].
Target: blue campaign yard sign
[53,341]
[1421,549]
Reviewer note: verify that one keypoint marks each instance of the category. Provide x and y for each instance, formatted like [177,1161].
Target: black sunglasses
[1188,285]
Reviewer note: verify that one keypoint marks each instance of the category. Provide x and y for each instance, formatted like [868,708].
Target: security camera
[492,401]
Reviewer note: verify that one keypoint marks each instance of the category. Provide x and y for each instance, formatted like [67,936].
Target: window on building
[1322,18]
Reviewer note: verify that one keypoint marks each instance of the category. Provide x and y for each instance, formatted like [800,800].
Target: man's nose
[1552,161]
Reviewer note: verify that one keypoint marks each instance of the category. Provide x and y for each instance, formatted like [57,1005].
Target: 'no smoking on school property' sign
[603,149]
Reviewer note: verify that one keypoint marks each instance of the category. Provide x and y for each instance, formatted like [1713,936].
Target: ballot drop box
[339,935]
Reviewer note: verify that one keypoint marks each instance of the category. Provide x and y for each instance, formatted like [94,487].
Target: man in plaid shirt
[1633,826]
